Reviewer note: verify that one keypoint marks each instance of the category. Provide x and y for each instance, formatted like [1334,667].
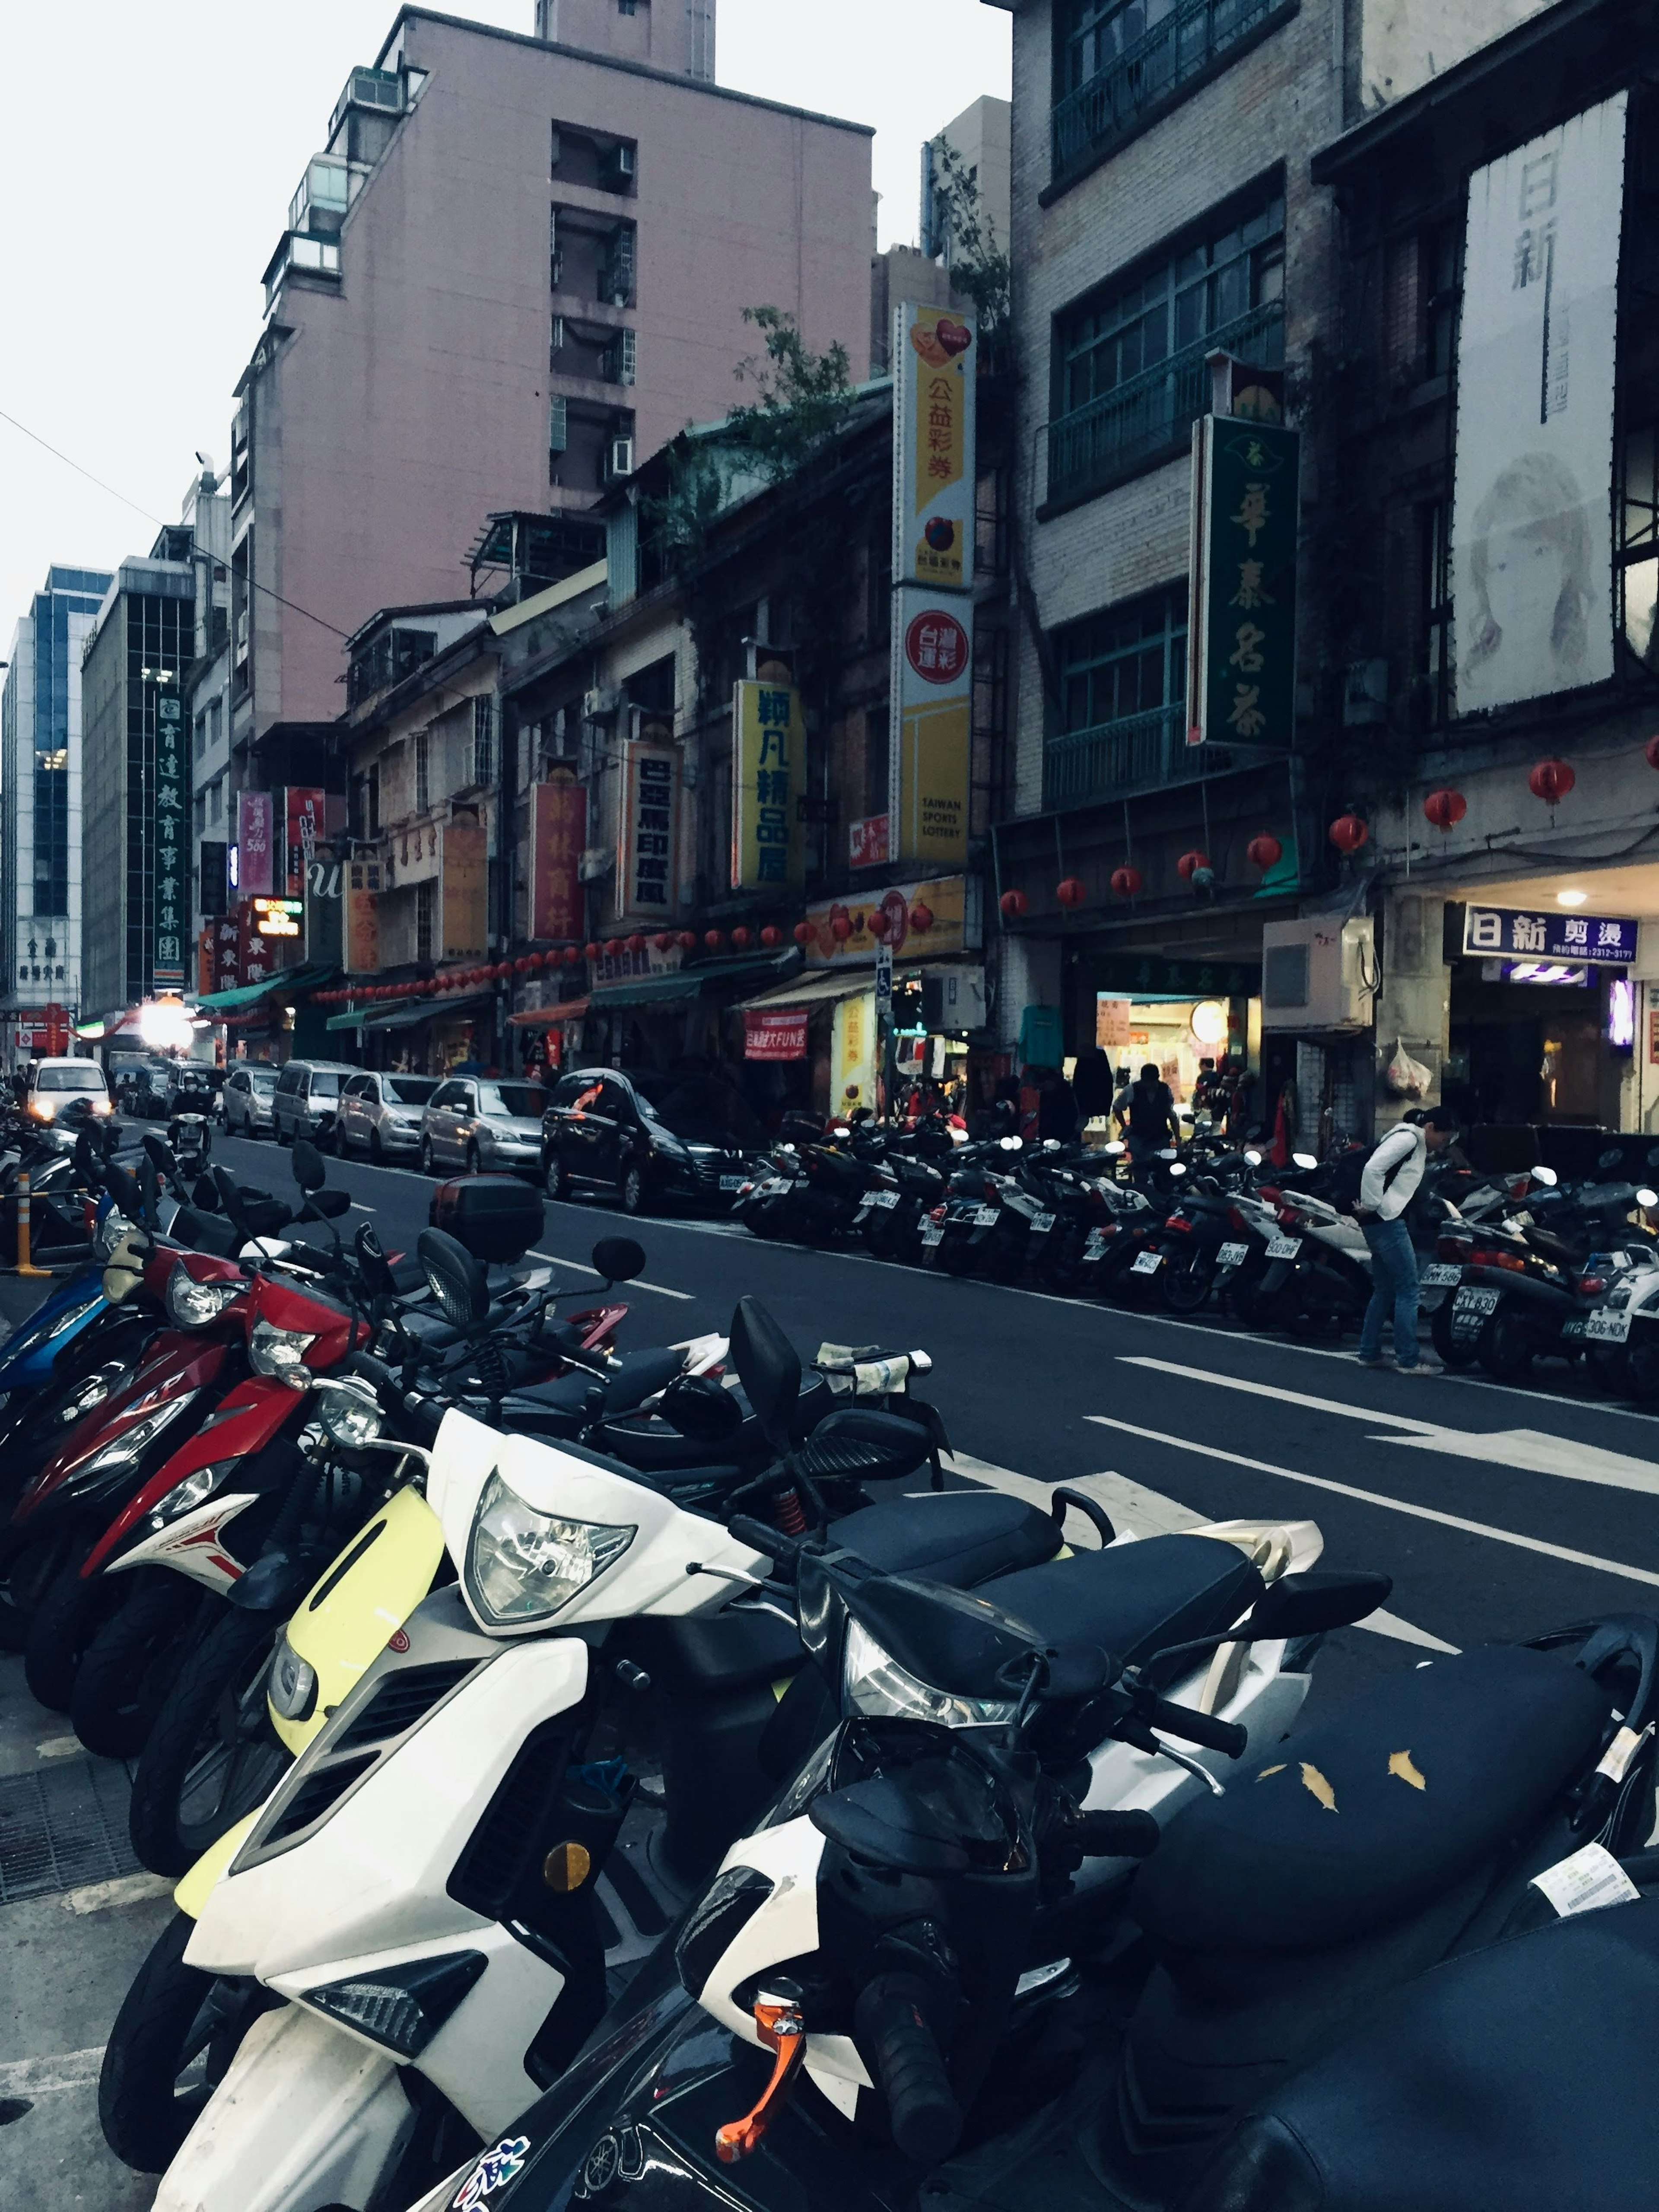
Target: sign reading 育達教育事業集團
[1519,934]
[171,904]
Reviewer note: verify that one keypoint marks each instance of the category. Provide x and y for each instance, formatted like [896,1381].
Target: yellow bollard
[23,1265]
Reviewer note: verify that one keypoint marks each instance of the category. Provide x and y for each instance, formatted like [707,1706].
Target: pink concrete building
[520,265]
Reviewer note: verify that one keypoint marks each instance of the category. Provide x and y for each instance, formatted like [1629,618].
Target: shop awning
[812,991]
[547,1018]
[680,983]
[406,1018]
[285,980]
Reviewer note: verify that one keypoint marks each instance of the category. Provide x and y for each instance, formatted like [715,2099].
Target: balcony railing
[1132,426]
[1142,752]
[1194,33]
[318,257]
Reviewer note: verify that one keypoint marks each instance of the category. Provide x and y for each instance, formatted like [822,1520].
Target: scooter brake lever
[781,2026]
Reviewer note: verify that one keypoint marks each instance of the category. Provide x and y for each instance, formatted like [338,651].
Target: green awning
[406,1016]
[679,983]
[306,978]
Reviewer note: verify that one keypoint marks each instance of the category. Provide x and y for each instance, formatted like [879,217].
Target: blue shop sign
[1503,931]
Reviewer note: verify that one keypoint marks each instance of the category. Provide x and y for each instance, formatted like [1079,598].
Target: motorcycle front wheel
[1505,1348]
[1184,1289]
[212,1754]
[131,1664]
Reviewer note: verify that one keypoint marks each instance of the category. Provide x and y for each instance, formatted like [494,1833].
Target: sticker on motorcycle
[1284,1247]
[492,2172]
[1607,1328]
[1148,1263]
[1442,1273]
[1232,1256]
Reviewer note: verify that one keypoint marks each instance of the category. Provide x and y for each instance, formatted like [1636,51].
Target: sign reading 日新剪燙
[1518,932]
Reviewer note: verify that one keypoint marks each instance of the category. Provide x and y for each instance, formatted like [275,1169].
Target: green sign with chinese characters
[1241,686]
[1155,975]
[170,845]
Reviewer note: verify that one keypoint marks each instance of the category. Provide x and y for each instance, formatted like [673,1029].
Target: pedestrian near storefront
[1146,1111]
[1388,1183]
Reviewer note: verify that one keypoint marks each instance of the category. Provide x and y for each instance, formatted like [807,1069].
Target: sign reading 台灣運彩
[170,847]
[933,697]
[769,781]
[1241,645]
[1520,933]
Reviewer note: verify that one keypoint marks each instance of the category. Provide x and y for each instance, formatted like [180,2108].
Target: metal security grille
[62,1827]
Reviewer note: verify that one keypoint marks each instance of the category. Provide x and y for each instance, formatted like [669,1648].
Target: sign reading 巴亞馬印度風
[1515,933]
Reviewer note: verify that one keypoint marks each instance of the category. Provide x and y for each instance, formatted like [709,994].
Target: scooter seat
[1134,1599]
[957,1536]
[1342,1829]
[1470,2091]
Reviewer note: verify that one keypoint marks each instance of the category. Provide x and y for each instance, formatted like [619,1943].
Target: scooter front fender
[307,2117]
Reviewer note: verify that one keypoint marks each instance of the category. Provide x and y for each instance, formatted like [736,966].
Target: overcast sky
[147,155]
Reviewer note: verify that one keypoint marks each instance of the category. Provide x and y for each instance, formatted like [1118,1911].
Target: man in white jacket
[1386,1189]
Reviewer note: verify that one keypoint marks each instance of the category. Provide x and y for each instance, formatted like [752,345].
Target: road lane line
[1390,1505]
[1131,1505]
[39,2077]
[638,1283]
[126,1889]
[1275,1390]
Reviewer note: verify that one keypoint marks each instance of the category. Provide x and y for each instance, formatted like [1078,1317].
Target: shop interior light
[1209,1021]
[1571,898]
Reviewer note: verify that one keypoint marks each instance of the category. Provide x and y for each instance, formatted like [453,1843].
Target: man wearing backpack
[1386,1189]
[1146,1113]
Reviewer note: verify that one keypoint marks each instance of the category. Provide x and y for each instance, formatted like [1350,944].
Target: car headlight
[273,1351]
[133,1443]
[523,1565]
[191,1304]
[351,1418]
[873,1682]
[292,1689]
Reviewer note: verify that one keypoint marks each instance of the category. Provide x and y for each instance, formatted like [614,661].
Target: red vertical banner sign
[256,956]
[303,826]
[254,841]
[560,829]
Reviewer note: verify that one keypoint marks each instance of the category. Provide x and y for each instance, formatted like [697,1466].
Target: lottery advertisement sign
[934,472]
[933,694]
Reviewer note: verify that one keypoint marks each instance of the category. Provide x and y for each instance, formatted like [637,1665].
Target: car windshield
[521,1100]
[262,1079]
[86,1078]
[406,1090]
[704,1109]
[323,1085]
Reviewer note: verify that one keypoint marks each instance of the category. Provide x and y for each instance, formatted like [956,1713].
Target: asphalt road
[1498,1513]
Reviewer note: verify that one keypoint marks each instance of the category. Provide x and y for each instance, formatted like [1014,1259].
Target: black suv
[649,1139]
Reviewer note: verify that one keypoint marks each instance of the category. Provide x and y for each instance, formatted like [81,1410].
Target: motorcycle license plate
[985,1216]
[886,1200]
[1232,1256]
[1607,1328]
[1442,1273]
[1470,1300]
[732,1182]
[771,1187]
[1572,1329]
[1284,1247]
[1096,1244]
[1147,1264]
[932,1232]
[1041,1223]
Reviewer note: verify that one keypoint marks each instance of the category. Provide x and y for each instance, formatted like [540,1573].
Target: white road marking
[1376,1497]
[639,1283]
[357,1206]
[126,1889]
[39,2077]
[61,1746]
[1530,1451]
[1131,1505]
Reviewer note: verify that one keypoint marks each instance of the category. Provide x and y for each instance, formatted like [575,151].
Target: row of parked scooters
[1515,1268]
[629,1802]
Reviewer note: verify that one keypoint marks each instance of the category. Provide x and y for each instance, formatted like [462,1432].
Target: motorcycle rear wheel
[1505,1349]
[212,1754]
[1642,1367]
[25,1583]
[130,1665]
[1184,1289]
[69,1614]
[1450,1350]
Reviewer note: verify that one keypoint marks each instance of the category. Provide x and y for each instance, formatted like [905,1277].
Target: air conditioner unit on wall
[598,706]
[1319,974]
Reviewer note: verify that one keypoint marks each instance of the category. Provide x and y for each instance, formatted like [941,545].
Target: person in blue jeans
[1386,1189]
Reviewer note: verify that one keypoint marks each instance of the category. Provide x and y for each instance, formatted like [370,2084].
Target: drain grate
[63,1827]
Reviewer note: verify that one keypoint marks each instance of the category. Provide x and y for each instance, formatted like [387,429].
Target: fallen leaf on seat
[1400,1762]
[1267,1771]
[1316,1784]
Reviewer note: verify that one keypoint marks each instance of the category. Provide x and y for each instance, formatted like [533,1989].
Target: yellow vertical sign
[932,689]
[769,783]
[852,1057]
[934,469]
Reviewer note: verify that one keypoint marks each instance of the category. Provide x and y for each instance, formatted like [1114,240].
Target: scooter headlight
[292,1689]
[273,1351]
[350,1414]
[191,1304]
[134,1442]
[110,1229]
[523,1566]
[873,1682]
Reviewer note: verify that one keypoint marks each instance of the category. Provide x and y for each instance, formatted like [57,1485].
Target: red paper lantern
[1349,832]
[590,953]
[503,971]
[1551,780]
[636,943]
[771,936]
[1264,852]
[523,964]
[1444,808]
[714,938]
[802,933]
[573,956]
[688,940]
[841,927]
[1650,752]
[921,920]
[1013,905]
[1126,882]
[741,939]
[613,946]
[663,940]
[1070,893]
[879,924]
[1189,863]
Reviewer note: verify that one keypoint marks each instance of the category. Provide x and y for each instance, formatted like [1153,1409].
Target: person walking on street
[1148,1112]
[1386,1189]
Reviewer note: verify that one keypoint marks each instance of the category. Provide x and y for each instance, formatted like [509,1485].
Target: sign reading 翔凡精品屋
[1518,932]
[1241,656]
[769,781]
[935,473]
[170,847]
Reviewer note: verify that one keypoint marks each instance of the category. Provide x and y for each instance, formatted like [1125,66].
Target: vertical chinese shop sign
[561,834]
[647,879]
[769,781]
[1241,672]
[172,907]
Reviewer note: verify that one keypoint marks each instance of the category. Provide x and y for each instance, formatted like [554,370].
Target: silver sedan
[381,1114]
[475,1122]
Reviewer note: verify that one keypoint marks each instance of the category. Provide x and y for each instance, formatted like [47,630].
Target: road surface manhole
[62,1827]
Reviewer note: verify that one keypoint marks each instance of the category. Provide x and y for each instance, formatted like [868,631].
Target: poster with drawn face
[1531,541]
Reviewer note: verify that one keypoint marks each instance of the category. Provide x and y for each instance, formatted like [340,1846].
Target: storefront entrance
[1532,1052]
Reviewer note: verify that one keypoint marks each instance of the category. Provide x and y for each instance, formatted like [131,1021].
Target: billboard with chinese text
[1497,931]
[922,921]
[254,841]
[647,832]
[932,700]
[464,876]
[560,832]
[171,847]
[769,783]
[1532,554]
[935,376]
[1241,644]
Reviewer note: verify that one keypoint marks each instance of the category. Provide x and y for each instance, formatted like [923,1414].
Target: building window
[483,740]
[426,907]
[1440,277]
[1129,373]
[1122,679]
[422,770]
[1116,62]
[1434,612]
[1638,543]
[374,800]
[878,749]
[200,733]
[628,7]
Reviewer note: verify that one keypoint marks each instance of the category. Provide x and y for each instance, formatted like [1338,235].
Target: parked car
[55,1083]
[383,1113]
[474,1122]
[245,1102]
[306,1098]
[649,1139]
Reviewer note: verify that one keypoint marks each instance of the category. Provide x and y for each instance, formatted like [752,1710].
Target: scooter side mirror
[1253,1159]
[618,1259]
[1304,1159]
[768,1368]
[331,1204]
[1546,1177]
[456,1279]
[1311,1604]
[308,1169]
[205,1193]
[1610,1162]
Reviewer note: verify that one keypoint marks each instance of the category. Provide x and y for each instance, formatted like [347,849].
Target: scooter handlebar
[894,2036]
[760,1538]
[1203,1729]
